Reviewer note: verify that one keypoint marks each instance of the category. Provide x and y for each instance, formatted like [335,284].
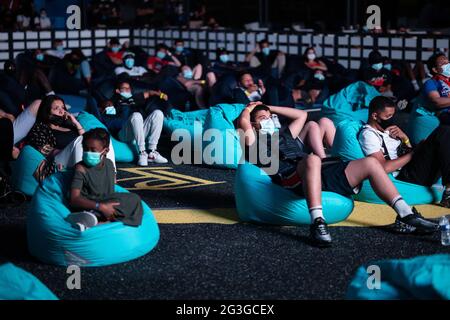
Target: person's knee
[312,126]
[157,115]
[326,123]
[372,164]
[136,117]
[313,161]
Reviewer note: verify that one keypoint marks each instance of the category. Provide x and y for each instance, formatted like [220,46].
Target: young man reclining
[381,139]
[307,175]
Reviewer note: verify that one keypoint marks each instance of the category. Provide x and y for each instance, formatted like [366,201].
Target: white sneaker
[143,159]
[155,157]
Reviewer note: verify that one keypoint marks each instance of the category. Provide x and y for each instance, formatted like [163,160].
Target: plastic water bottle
[444,226]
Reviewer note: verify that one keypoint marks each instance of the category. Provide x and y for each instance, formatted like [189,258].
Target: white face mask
[267,126]
[311,56]
[446,70]
[110,110]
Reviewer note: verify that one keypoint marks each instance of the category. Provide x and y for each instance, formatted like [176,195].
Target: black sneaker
[415,223]
[445,202]
[319,233]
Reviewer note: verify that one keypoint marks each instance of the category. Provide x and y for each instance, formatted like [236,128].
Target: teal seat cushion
[422,121]
[124,152]
[424,278]
[351,103]
[76,103]
[51,239]
[17,284]
[23,170]
[346,145]
[214,140]
[261,201]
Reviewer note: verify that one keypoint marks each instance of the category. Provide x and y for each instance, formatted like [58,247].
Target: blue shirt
[441,87]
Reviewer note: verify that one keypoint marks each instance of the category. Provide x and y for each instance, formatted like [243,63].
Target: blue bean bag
[426,278]
[123,151]
[422,121]
[351,103]
[76,103]
[259,200]
[346,146]
[51,239]
[23,169]
[17,284]
[221,147]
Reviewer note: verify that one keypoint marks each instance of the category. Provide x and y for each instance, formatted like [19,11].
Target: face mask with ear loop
[268,126]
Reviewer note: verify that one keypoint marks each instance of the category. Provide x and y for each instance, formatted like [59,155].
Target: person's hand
[261,86]
[15,153]
[252,88]
[397,133]
[252,105]
[108,209]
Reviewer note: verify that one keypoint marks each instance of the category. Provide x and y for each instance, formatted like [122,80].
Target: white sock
[316,212]
[401,207]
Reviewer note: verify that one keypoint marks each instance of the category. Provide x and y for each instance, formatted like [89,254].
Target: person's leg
[134,130]
[211,79]
[198,93]
[86,70]
[311,135]
[153,125]
[197,71]
[328,131]
[70,155]
[408,220]
[25,121]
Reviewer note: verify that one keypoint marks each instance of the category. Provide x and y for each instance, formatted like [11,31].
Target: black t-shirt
[64,138]
[377,78]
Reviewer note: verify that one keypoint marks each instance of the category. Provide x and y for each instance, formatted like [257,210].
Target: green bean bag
[17,284]
[213,137]
[425,278]
[23,169]
[351,103]
[51,239]
[261,201]
[123,151]
[346,146]
[422,121]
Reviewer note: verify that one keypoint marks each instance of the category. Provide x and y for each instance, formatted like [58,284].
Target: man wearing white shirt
[42,22]
[129,68]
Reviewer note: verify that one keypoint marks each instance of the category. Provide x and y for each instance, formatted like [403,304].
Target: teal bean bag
[51,239]
[123,151]
[213,137]
[261,201]
[17,284]
[23,169]
[425,278]
[351,103]
[422,121]
[346,146]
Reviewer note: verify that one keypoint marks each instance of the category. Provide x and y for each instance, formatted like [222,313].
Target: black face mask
[61,121]
[387,122]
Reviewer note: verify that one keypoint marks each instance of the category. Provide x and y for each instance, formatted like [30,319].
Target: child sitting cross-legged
[92,191]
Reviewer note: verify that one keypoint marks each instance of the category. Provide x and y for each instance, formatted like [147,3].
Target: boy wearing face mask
[92,188]
[129,66]
[381,139]
[376,75]
[247,90]
[190,78]
[58,50]
[162,58]
[268,62]
[307,174]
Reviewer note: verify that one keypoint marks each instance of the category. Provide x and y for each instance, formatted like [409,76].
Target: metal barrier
[347,49]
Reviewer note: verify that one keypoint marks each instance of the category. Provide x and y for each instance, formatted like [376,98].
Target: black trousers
[431,159]
[6,143]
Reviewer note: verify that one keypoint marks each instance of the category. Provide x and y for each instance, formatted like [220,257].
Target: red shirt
[117,55]
[156,64]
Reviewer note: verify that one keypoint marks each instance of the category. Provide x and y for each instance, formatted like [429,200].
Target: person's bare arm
[175,61]
[6,115]
[245,125]
[438,101]
[392,165]
[298,116]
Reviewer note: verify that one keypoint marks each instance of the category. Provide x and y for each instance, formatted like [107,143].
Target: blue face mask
[388,66]
[40,57]
[111,110]
[126,95]
[266,51]
[224,58]
[92,159]
[446,70]
[188,74]
[319,76]
[129,63]
[377,66]
[60,48]
[161,54]
[115,49]
[179,49]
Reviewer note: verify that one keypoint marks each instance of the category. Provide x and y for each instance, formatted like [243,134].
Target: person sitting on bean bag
[93,187]
[308,175]
[129,67]
[144,122]
[247,90]
[57,135]
[383,140]
[191,80]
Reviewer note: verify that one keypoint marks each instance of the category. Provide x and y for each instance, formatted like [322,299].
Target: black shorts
[333,179]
